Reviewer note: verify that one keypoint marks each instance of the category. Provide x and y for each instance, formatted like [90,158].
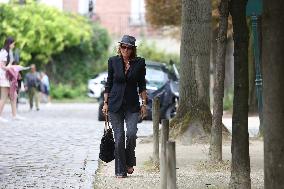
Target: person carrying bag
[107,145]
[125,82]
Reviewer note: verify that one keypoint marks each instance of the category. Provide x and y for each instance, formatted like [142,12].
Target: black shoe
[37,109]
[121,175]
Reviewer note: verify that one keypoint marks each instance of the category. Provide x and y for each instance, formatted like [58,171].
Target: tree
[52,38]
[273,83]
[163,12]
[240,165]
[194,111]
[215,151]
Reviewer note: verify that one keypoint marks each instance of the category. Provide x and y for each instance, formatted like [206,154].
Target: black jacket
[124,88]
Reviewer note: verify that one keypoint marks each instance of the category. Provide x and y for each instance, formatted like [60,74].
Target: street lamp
[254,10]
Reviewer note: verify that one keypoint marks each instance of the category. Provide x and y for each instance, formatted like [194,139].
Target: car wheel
[171,112]
[101,116]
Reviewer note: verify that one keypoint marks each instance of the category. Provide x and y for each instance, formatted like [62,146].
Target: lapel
[132,65]
[120,67]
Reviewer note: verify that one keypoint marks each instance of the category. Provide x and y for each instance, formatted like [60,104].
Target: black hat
[128,40]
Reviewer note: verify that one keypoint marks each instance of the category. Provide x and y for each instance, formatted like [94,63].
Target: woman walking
[126,80]
[6,60]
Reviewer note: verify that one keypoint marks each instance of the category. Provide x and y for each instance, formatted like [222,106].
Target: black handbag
[107,143]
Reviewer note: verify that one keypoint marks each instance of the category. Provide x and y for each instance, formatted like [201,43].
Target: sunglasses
[125,47]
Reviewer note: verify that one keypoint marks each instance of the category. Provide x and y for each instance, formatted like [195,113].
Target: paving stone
[54,148]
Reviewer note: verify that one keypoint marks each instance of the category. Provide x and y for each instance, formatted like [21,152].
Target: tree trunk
[215,150]
[194,103]
[273,83]
[252,89]
[229,68]
[240,165]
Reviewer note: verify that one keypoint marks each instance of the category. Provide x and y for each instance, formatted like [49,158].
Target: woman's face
[12,45]
[126,50]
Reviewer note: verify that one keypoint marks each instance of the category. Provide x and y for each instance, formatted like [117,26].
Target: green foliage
[67,46]
[150,51]
[61,91]
[76,64]
[228,100]
[41,31]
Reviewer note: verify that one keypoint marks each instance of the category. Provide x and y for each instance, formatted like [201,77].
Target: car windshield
[155,77]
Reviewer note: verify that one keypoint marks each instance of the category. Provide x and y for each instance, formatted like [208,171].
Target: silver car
[95,86]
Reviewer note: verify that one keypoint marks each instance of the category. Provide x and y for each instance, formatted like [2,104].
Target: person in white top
[6,60]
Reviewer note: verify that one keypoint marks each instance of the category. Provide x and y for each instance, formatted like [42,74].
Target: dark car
[161,82]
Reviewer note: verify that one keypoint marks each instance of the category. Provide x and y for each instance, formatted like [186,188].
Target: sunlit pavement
[56,147]
[253,125]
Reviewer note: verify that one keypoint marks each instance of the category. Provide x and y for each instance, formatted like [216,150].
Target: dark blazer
[121,87]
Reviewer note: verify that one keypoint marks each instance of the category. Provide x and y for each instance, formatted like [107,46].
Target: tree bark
[215,151]
[240,165]
[252,89]
[229,69]
[194,69]
[273,83]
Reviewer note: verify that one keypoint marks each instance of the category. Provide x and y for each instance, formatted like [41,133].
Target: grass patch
[151,166]
[209,166]
[79,99]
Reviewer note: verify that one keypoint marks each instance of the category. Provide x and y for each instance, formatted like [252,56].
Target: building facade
[122,16]
[75,6]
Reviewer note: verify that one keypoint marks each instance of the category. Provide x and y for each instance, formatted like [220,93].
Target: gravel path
[192,170]
[58,146]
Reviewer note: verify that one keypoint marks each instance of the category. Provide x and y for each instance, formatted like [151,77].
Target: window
[137,14]
[156,77]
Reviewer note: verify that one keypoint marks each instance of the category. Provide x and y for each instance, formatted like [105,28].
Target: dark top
[124,89]
[32,80]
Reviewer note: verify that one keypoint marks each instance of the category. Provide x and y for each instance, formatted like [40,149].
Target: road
[56,147]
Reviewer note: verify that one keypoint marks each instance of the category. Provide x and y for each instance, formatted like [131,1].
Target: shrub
[228,100]
[62,91]
[150,51]
[67,46]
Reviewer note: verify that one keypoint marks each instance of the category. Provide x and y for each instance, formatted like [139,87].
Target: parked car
[161,82]
[95,85]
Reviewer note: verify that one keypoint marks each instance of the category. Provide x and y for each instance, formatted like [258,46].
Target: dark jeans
[124,155]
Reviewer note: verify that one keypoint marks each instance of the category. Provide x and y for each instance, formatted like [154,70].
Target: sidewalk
[192,169]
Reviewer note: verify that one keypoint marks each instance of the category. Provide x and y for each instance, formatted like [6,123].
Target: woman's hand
[3,67]
[105,109]
[143,111]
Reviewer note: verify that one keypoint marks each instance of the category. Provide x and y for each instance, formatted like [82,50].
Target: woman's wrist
[144,103]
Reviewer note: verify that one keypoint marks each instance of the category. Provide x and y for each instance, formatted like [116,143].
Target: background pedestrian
[32,86]
[45,86]
[6,61]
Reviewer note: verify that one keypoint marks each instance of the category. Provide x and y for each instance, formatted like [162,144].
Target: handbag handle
[106,122]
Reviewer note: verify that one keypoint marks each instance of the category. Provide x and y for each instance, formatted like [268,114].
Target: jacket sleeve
[109,82]
[26,80]
[142,80]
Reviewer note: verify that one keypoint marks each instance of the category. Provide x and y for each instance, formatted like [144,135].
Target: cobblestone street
[56,147]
